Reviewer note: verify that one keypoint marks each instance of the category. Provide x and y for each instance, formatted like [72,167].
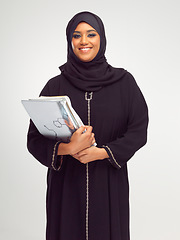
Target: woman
[87,186]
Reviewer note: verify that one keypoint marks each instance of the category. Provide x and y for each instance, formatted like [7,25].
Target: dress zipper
[88,98]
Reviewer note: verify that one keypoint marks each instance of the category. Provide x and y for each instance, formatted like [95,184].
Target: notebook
[54,117]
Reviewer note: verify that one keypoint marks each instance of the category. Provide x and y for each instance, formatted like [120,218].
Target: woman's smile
[85,50]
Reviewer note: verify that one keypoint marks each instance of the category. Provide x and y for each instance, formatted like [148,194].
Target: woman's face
[85,42]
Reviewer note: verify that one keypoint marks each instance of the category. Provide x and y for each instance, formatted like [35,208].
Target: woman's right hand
[81,139]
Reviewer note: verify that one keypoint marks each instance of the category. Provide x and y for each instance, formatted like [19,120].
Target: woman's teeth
[85,49]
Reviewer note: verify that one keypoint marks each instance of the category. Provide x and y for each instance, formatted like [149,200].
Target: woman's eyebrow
[91,30]
[77,32]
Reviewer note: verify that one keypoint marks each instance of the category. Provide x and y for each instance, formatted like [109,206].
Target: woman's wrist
[63,149]
[103,154]
[67,149]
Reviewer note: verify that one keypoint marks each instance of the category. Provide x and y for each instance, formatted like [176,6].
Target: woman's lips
[85,49]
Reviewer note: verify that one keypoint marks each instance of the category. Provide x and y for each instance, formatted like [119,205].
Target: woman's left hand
[91,154]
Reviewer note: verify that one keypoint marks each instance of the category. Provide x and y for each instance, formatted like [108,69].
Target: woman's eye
[76,36]
[91,35]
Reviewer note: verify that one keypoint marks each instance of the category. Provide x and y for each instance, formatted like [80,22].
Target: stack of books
[54,117]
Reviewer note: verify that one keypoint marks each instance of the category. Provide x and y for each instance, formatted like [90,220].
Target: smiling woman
[88,190]
[85,42]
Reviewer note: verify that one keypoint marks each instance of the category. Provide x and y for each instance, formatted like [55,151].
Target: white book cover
[54,117]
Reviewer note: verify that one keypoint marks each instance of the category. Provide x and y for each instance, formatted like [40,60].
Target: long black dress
[91,202]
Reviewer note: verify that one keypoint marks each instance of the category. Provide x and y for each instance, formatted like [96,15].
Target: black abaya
[93,204]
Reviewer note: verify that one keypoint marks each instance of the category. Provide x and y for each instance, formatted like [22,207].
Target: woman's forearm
[63,149]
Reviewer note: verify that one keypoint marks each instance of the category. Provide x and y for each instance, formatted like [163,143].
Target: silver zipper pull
[88,96]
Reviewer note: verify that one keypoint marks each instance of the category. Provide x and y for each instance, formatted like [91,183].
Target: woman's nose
[84,40]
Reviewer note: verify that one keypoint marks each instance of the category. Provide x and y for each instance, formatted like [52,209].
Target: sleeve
[135,136]
[42,148]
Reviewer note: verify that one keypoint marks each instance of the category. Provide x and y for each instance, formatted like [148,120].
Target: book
[54,117]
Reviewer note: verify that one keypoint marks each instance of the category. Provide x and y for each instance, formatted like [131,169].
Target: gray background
[143,37]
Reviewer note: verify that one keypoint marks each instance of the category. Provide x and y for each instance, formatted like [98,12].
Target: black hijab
[89,76]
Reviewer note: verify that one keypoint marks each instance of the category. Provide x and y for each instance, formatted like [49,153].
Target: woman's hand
[81,139]
[91,154]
